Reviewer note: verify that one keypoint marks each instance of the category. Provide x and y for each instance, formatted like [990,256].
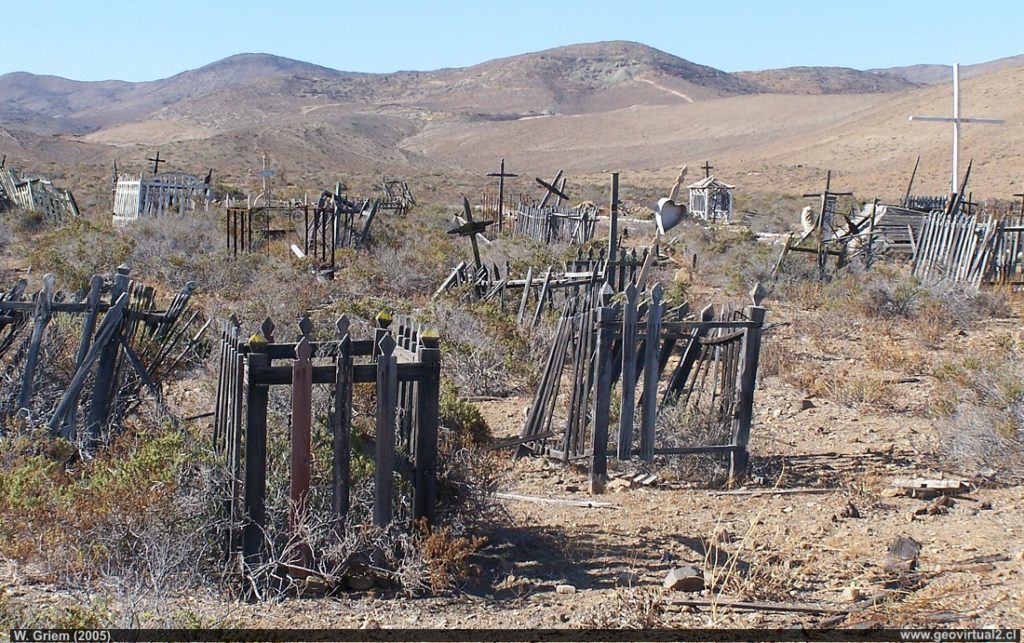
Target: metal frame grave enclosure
[406,370]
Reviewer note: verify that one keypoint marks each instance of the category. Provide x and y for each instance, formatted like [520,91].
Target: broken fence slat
[567,502]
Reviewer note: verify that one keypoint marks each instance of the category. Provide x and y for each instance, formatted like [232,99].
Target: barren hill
[586,108]
[931,74]
[825,80]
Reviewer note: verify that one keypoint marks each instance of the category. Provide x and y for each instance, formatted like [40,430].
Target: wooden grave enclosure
[536,290]
[395,197]
[126,344]
[609,347]
[548,224]
[35,194]
[404,366]
[971,248]
[314,231]
[136,196]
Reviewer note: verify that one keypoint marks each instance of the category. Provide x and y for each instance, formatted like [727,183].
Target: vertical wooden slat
[602,400]
[649,399]
[301,439]
[387,391]
[745,395]
[427,424]
[41,318]
[628,405]
[341,473]
[257,396]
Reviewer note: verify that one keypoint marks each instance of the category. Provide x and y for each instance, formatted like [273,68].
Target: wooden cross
[156,162]
[501,174]
[470,229]
[707,169]
[551,189]
[956,120]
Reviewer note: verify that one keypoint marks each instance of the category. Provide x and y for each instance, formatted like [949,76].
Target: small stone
[985,504]
[852,594]
[850,511]
[684,579]
[565,589]
[618,484]
[806,404]
[572,489]
[627,579]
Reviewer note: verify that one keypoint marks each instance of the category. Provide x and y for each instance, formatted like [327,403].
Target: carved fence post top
[606,294]
[387,345]
[383,319]
[257,341]
[267,328]
[631,292]
[306,326]
[123,269]
[341,326]
[233,320]
[49,281]
[303,350]
[758,293]
[656,292]
[430,338]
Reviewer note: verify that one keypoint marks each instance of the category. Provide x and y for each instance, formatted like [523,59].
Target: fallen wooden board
[771,492]
[556,501]
[758,607]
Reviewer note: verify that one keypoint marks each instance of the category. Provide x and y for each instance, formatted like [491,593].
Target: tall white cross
[956,120]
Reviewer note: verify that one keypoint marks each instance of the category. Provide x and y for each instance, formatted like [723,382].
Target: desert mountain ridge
[588,108]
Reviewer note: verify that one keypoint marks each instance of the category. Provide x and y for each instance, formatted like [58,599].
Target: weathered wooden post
[605,319]
[302,408]
[628,407]
[427,424]
[257,396]
[103,387]
[41,318]
[751,351]
[613,229]
[383,322]
[341,426]
[649,397]
[387,398]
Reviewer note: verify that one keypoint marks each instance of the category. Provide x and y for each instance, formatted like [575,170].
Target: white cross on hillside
[956,120]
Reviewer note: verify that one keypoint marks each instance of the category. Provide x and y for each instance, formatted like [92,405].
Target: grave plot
[34,194]
[79,363]
[601,344]
[160,194]
[402,366]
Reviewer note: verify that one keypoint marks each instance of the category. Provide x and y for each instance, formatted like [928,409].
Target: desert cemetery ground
[289,347]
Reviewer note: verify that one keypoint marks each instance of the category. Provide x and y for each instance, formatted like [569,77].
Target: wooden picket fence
[971,248]
[555,223]
[404,366]
[131,343]
[537,290]
[631,343]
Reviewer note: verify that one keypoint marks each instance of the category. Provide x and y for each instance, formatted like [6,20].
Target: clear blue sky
[136,40]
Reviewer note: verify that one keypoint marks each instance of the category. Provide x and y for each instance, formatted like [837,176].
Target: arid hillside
[593,108]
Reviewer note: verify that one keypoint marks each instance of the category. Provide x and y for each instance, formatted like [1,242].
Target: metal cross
[156,162]
[956,120]
[501,174]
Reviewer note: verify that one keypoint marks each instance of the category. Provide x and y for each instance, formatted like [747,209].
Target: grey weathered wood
[427,425]
[649,399]
[628,403]
[526,295]
[41,318]
[602,400]
[257,396]
[104,383]
[751,351]
[387,392]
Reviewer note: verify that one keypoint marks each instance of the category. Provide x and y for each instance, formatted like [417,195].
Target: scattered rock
[806,404]
[685,579]
[852,594]
[572,489]
[985,504]
[618,484]
[904,548]
[565,588]
[850,511]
